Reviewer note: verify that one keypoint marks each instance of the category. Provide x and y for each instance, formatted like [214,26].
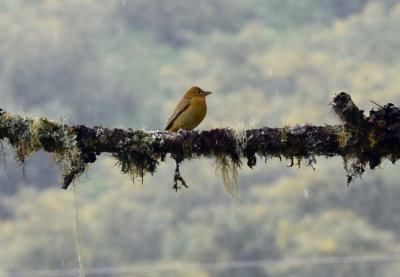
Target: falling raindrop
[306,193]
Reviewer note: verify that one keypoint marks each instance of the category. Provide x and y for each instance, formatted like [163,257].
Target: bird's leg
[178,177]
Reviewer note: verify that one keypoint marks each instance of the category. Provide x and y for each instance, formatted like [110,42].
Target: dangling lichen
[69,156]
[227,164]
[228,169]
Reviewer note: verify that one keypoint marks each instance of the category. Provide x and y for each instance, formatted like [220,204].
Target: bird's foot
[182,131]
[178,178]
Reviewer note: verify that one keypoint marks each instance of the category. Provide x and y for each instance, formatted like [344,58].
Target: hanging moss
[228,170]
[136,155]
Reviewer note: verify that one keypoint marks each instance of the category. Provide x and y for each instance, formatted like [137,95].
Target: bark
[361,140]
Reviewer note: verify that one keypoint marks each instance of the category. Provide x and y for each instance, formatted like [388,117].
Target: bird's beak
[207,93]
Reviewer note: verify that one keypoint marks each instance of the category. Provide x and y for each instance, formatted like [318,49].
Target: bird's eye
[199,91]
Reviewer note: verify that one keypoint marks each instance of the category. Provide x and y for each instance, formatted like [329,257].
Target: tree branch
[360,140]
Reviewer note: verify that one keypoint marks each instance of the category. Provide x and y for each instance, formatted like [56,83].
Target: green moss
[284,135]
[372,138]
[343,138]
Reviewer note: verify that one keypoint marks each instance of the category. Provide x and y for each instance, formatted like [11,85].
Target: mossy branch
[360,140]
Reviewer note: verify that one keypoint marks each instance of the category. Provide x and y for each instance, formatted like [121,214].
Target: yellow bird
[190,111]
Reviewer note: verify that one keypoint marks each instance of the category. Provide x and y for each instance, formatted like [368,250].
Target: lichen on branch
[366,140]
[361,140]
[28,136]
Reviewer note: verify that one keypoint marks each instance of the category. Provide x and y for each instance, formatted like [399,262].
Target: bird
[190,111]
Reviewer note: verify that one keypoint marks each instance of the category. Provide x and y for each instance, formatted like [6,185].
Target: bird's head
[196,92]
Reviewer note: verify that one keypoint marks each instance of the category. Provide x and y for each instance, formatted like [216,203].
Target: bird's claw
[178,178]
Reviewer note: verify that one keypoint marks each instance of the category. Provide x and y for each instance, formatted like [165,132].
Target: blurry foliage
[31,231]
[124,224]
[126,64]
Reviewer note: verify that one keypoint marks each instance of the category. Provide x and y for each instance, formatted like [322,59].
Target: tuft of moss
[354,168]
[240,137]
[136,156]
[343,137]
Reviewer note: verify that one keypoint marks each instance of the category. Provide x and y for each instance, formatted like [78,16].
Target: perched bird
[190,111]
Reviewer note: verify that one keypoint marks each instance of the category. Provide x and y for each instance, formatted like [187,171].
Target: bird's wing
[182,105]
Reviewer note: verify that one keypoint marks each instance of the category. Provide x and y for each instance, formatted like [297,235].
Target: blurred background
[126,64]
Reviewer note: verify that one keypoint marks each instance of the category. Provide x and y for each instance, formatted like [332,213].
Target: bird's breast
[193,115]
[199,108]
